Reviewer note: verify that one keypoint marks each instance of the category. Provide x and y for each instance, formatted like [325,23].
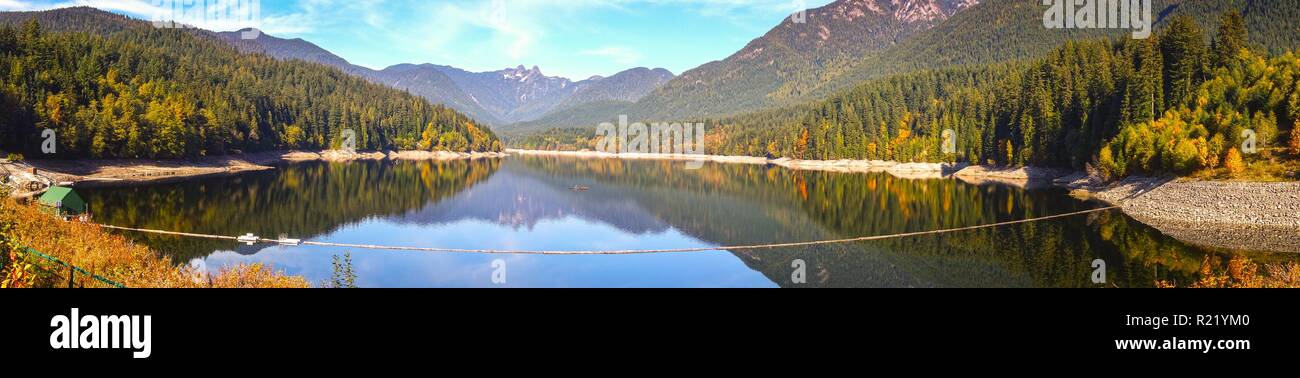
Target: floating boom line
[250,239]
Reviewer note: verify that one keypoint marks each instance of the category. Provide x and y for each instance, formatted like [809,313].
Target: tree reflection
[731,204]
[720,204]
[300,200]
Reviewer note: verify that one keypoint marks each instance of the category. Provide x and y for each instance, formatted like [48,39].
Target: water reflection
[303,199]
[527,203]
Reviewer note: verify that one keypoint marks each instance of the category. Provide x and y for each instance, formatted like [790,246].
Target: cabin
[63,202]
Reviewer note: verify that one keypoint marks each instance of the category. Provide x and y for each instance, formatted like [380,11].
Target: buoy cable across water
[251,239]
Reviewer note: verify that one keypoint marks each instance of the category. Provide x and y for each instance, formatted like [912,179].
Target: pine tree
[1232,38]
[1183,47]
[1145,97]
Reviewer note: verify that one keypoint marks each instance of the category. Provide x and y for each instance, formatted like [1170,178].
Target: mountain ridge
[797,49]
[495,97]
[115,87]
[976,33]
[827,35]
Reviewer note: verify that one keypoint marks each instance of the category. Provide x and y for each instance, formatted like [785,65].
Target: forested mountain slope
[989,32]
[432,85]
[1006,30]
[1173,103]
[113,87]
[626,86]
[797,49]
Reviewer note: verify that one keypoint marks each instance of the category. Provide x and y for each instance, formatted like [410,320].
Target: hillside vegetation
[128,90]
[1168,104]
[1185,101]
[793,70]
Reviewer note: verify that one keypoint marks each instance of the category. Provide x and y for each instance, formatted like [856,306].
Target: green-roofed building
[63,202]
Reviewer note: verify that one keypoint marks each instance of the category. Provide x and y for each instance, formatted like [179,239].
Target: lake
[562,203]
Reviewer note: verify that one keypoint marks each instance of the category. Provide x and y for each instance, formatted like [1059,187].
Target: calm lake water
[529,203]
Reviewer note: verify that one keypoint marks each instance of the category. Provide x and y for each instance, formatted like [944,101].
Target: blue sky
[571,38]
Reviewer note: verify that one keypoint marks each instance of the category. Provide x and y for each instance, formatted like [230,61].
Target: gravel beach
[1225,214]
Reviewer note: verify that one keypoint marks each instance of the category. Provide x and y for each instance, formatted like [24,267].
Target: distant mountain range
[496,97]
[850,42]
[800,49]
[831,49]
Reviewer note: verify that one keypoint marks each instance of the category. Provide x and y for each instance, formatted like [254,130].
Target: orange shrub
[115,257]
[1242,273]
[1295,139]
[1234,163]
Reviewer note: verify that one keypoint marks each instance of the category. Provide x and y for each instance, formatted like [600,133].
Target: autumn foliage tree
[142,92]
[801,145]
[1295,139]
[1234,164]
[1171,104]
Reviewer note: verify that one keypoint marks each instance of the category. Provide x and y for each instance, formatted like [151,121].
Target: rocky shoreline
[903,170]
[343,156]
[108,172]
[1222,214]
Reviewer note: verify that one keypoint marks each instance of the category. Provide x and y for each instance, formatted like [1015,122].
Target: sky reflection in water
[527,203]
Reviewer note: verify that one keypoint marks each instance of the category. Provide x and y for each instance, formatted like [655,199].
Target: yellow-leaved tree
[1295,138]
[1234,163]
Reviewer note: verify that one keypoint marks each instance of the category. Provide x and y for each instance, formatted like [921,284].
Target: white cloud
[136,7]
[374,13]
[153,11]
[286,24]
[474,34]
[526,31]
[14,5]
[618,54]
[512,26]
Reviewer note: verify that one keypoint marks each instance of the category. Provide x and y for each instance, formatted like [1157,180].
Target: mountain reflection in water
[529,203]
